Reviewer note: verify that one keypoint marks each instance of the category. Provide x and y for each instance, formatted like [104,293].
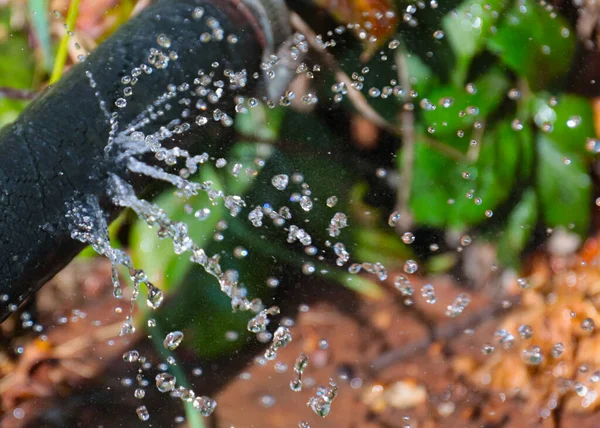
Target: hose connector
[273,17]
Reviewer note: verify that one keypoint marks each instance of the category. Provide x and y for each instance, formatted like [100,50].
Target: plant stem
[192,416]
[61,55]
[17,94]
[407,126]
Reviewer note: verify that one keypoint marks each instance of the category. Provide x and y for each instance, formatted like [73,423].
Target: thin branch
[445,149]
[445,332]
[407,127]
[17,94]
[473,152]
[356,97]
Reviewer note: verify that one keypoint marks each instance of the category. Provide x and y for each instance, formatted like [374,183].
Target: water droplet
[198,13]
[532,356]
[403,285]
[321,403]
[505,338]
[280,181]
[163,41]
[260,322]
[446,102]
[458,306]
[267,400]
[574,121]
[332,201]
[142,413]
[155,297]
[374,92]
[165,382]
[338,222]
[471,88]
[523,283]
[408,238]
[172,340]
[487,349]
[131,356]
[299,367]
[205,405]
[411,267]
[558,349]
[428,293]
[305,203]
[588,324]
[525,331]
[121,102]
[514,94]
[593,145]
[281,338]
[393,218]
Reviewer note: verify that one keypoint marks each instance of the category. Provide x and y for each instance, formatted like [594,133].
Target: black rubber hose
[55,151]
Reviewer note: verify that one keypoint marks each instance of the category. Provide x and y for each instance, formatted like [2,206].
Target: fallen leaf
[373,21]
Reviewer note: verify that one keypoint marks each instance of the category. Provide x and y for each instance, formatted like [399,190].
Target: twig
[445,333]
[407,126]
[71,347]
[445,149]
[17,94]
[473,152]
[356,97]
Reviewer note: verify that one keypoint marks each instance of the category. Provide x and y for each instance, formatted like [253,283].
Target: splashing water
[321,403]
[137,141]
[299,367]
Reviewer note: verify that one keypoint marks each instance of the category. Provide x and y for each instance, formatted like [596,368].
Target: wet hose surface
[54,152]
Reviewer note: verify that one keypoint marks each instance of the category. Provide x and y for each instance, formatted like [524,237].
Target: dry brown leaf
[373,21]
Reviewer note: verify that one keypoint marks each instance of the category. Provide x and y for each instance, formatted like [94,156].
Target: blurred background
[459,139]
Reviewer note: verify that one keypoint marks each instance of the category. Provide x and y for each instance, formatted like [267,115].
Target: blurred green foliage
[16,67]
[494,107]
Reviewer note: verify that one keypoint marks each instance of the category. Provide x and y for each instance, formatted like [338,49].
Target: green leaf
[420,75]
[245,153]
[519,228]
[16,70]
[38,15]
[492,177]
[432,187]
[465,108]
[360,284]
[374,244]
[260,123]
[468,27]
[528,149]
[203,312]
[564,187]
[441,184]
[441,263]
[571,119]
[534,43]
